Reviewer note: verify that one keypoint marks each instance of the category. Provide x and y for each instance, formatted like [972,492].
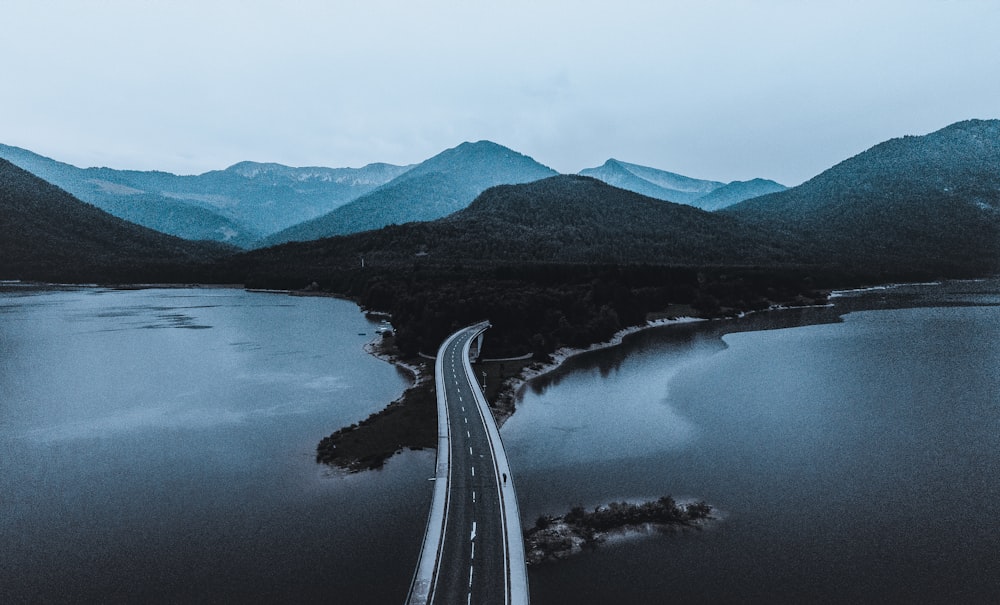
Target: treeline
[538,308]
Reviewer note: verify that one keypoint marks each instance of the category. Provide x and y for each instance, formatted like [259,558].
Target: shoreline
[513,390]
[514,387]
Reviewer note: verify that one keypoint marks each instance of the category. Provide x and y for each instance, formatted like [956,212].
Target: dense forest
[930,202]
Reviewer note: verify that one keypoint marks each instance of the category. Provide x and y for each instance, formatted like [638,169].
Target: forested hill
[434,188]
[562,219]
[919,202]
[581,219]
[49,235]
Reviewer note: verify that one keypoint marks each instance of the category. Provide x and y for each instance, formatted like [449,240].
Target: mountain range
[672,187]
[254,204]
[50,235]
[432,189]
[919,205]
[238,205]
[561,219]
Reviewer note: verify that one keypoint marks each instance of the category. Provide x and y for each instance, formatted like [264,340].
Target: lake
[159,445]
[854,460]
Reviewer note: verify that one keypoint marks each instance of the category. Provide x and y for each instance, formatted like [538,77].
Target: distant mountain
[671,187]
[237,205]
[47,234]
[651,182]
[736,192]
[923,203]
[564,219]
[109,190]
[434,188]
[272,197]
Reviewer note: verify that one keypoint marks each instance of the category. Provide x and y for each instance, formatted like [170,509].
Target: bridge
[473,549]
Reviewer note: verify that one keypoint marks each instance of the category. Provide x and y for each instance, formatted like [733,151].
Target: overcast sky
[719,90]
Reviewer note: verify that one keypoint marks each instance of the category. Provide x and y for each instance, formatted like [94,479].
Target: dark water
[854,461]
[157,446]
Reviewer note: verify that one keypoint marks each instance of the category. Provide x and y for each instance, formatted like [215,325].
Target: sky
[714,89]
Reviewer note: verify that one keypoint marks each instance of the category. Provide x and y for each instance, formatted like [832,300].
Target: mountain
[272,197]
[238,205]
[434,188]
[561,219]
[110,191]
[50,235]
[736,192]
[919,203]
[651,182]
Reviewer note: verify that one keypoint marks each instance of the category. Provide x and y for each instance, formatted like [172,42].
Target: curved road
[473,550]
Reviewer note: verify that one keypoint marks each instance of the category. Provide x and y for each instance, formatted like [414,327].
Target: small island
[555,538]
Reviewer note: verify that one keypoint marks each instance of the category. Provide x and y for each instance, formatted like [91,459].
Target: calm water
[856,461]
[158,446]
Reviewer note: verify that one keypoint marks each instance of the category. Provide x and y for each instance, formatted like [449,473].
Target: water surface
[852,461]
[158,446]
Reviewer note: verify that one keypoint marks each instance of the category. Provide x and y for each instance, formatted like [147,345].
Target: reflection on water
[851,456]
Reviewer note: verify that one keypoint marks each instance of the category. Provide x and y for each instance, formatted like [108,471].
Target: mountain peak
[250,169]
[652,182]
[436,187]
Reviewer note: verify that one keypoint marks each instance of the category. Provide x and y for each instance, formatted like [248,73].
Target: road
[473,549]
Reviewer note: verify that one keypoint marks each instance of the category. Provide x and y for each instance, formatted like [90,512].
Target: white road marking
[473,537]
[463,408]
[467,434]
[473,471]
[466,420]
[470,576]
[470,450]
[472,557]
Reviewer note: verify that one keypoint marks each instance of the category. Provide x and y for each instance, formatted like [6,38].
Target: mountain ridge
[562,219]
[438,186]
[651,182]
[931,200]
[50,235]
[238,205]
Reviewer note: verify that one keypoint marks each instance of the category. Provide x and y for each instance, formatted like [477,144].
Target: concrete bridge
[473,550]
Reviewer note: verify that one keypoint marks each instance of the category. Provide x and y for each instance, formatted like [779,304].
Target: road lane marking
[468,435]
[473,536]
[463,408]
[473,496]
[470,450]
[466,420]
[470,576]
[472,557]
[473,471]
